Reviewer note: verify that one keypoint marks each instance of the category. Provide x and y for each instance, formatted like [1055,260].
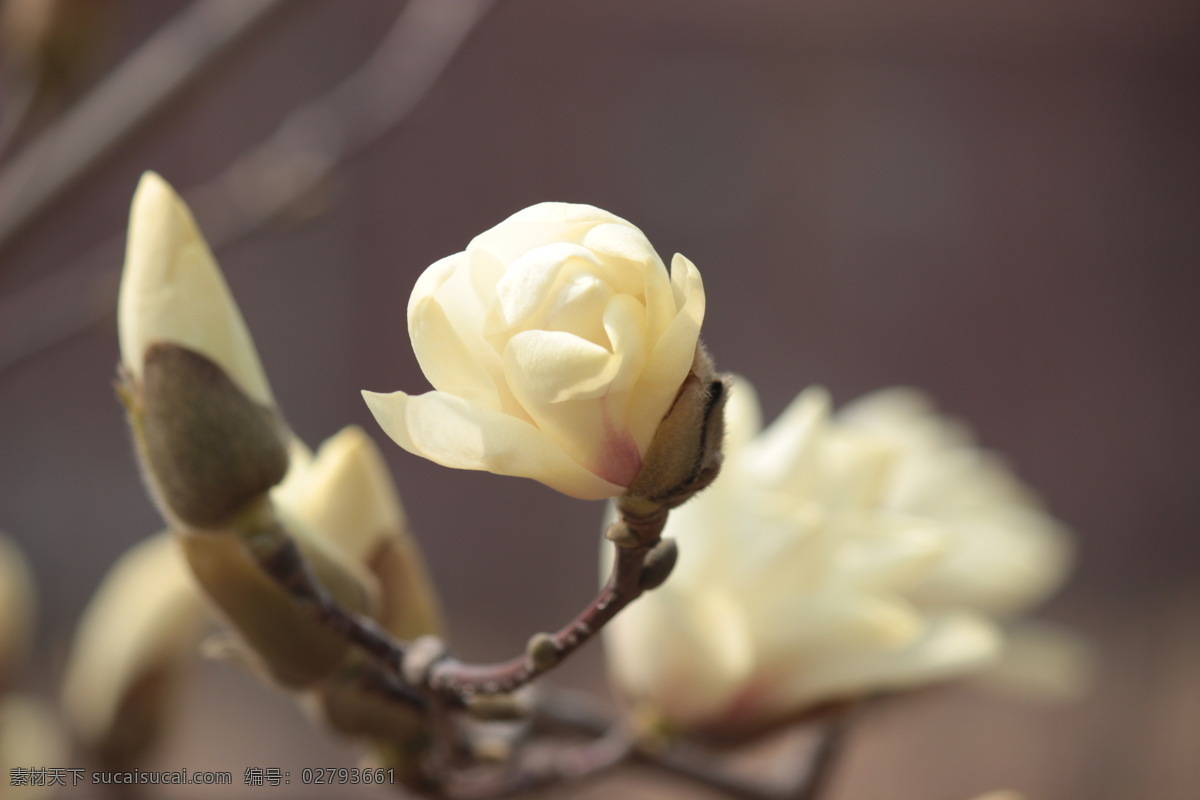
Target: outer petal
[672,356]
[952,646]
[172,290]
[684,657]
[449,364]
[452,432]
[348,496]
[537,225]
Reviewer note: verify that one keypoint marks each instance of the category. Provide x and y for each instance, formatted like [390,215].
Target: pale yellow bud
[173,291]
[556,342]
[130,650]
[16,609]
[347,496]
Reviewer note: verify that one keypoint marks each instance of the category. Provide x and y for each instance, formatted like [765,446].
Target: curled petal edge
[454,433]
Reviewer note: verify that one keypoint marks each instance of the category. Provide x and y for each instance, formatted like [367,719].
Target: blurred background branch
[280,176]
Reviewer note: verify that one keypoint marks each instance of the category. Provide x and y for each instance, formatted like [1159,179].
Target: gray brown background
[997,202]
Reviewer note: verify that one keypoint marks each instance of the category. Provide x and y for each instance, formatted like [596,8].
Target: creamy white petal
[445,359]
[691,654]
[349,497]
[173,291]
[951,646]
[540,224]
[450,431]
[671,357]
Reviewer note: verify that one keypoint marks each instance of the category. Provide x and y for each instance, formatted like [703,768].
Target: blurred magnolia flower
[173,291]
[1005,553]
[130,650]
[556,343]
[29,738]
[796,585]
[16,608]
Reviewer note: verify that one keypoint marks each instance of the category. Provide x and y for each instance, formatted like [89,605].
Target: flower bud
[130,651]
[203,418]
[173,291]
[346,495]
[556,343]
[16,609]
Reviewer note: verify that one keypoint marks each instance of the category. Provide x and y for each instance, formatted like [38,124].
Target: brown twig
[537,768]
[823,762]
[280,558]
[635,540]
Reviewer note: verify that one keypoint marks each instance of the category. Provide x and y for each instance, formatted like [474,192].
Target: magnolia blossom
[173,291]
[803,577]
[555,342]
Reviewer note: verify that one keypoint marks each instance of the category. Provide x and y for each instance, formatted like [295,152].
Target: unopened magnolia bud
[16,608]
[208,449]
[659,563]
[293,646]
[130,650]
[685,454]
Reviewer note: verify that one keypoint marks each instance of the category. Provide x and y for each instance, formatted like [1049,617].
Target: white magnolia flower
[555,342]
[173,291]
[794,585]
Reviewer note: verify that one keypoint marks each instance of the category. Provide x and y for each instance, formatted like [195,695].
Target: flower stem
[457,679]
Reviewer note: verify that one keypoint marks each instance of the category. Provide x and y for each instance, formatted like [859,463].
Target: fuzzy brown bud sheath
[685,454]
[208,450]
